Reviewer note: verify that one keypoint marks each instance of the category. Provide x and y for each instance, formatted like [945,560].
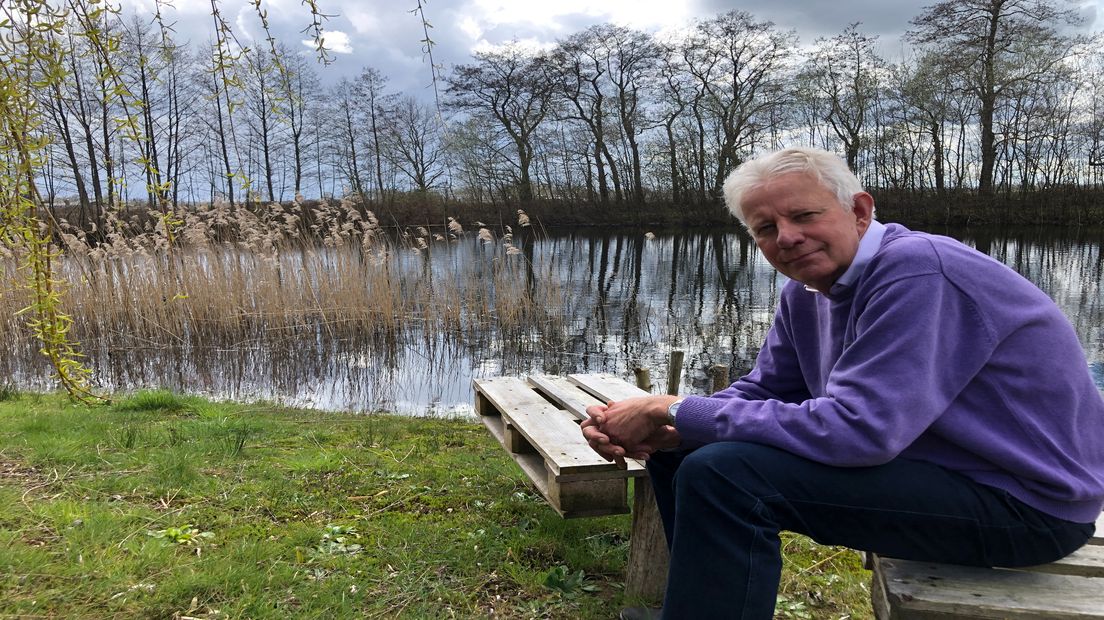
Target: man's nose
[789,235]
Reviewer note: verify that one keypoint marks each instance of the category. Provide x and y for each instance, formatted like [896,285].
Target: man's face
[800,228]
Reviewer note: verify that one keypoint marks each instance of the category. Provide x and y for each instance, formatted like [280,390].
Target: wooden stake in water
[674,372]
[719,374]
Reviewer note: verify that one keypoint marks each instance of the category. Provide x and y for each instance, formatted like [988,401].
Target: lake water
[625,300]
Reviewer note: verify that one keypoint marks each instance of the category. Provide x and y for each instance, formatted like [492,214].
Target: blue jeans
[723,506]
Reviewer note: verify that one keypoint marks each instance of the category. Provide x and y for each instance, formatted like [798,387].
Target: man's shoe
[641,613]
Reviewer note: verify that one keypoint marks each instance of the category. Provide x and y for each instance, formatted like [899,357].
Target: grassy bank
[167,507]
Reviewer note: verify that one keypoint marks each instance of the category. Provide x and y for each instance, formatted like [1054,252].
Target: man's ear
[862,205]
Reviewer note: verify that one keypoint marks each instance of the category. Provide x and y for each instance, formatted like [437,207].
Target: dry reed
[287,281]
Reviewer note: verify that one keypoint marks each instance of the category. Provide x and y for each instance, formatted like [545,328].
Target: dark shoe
[641,613]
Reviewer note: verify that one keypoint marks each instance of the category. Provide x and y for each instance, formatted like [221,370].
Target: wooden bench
[537,421]
[1069,589]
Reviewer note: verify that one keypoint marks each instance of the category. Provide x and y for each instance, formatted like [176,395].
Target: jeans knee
[731,463]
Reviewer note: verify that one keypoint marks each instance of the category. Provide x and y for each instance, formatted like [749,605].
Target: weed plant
[288,282]
[210,510]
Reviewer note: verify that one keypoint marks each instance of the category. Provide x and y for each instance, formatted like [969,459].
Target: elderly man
[913,398]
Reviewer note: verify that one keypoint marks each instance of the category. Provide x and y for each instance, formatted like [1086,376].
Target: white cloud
[242,24]
[335,40]
[363,20]
[643,14]
[470,27]
[528,43]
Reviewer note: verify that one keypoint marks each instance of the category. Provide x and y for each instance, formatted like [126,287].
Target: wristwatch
[672,411]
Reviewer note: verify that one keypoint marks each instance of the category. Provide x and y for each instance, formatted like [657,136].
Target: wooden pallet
[537,421]
[1069,589]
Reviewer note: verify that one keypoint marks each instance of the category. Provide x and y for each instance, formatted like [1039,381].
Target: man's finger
[593,434]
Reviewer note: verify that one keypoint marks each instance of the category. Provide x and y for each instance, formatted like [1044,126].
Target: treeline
[993,101]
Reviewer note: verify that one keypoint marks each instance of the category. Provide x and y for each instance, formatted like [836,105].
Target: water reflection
[613,302]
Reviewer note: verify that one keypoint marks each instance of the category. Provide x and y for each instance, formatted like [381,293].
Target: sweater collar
[868,247]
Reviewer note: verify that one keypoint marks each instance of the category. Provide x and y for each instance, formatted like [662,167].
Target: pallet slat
[905,590]
[1087,561]
[1068,589]
[606,387]
[565,394]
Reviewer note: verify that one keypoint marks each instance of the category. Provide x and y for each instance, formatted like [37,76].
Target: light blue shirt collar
[868,246]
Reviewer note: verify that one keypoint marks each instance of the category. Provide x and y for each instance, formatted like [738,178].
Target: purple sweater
[936,353]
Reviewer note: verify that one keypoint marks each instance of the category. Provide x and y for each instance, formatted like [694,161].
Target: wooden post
[646,573]
[719,374]
[674,372]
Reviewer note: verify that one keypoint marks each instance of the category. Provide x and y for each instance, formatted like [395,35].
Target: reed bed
[287,283]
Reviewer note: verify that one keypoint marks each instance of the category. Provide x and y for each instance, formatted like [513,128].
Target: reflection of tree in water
[708,294]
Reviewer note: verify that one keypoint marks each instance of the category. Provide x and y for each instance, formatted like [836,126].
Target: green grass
[164,506]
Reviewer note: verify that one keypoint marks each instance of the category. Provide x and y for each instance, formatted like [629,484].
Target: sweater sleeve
[918,342]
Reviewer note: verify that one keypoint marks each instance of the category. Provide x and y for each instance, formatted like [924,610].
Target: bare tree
[482,161]
[263,106]
[1091,127]
[632,61]
[145,66]
[373,104]
[927,96]
[984,41]
[58,103]
[414,144]
[348,130]
[601,74]
[180,94]
[510,85]
[845,72]
[297,82]
[579,75]
[676,93]
[739,64]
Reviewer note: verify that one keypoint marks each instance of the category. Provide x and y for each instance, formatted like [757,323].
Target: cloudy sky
[387,34]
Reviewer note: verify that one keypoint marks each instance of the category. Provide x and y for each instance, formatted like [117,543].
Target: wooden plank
[926,591]
[1087,561]
[879,600]
[564,393]
[556,435]
[504,393]
[553,432]
[499,393]
[649,560]
[590,497]
[532,463]
[606,387]
[574,399]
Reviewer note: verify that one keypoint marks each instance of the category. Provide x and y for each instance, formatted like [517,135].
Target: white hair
[827,168]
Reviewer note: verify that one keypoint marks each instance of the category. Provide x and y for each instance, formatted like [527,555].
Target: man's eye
[763,230]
